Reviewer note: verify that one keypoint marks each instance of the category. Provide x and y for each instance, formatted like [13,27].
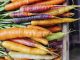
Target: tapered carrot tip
[53,2]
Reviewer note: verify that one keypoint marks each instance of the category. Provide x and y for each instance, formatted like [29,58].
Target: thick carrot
[52,2]
[15,32]
[35,8]
[53,21]
[38,27]
[41,40]
[15,5]
[55,28]
[22,48]
[61,10]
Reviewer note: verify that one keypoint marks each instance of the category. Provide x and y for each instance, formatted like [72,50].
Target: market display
[32,29]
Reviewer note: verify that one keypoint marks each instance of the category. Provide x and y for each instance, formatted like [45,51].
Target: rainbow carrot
[52,2]
[14,32]
[53,21]
[16,5]
[55,28]
[22,48]
[20,14]
[62,10]
[35,8]
[30,18]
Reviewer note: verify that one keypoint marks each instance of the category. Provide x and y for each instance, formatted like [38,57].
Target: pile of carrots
[35,24]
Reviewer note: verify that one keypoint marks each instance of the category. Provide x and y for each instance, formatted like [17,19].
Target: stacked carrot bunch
[32,32]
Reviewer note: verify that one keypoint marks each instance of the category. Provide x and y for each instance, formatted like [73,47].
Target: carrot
[15,5]
[20,14]
[55,28]
[38,57]
[15,0]
[35,8]
[30,43]
[52,2]
[22,48]
[55,36]
[61,10]
[24,41]
[38,27]
[59,58]
[15,32]
[8,58]
[30,18]
[41,40]
[68,14]
[53,21]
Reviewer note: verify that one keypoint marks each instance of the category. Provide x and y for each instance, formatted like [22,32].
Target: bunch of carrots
[28,26]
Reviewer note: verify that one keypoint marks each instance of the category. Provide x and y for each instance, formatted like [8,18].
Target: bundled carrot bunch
[30,29]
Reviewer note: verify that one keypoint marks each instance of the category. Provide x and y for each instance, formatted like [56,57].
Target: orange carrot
[38,28]
[15,0]
[52,2]
[15,32]
[55,29]
[15,5]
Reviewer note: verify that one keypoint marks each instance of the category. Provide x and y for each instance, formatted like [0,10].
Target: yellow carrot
[41,40]
[22,48]
[53,21]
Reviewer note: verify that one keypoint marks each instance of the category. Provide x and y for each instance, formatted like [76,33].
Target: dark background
[75,36]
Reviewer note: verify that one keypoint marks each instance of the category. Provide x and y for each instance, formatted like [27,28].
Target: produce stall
[35,29]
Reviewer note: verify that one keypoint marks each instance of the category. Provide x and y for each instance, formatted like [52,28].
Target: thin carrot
[41,40]
[20,14]
[15,32]
[22,48]
[62,10]
[15,5]
[24,41]
[55,28]
[29,18]
[52,2]
[53,21]
[68,14]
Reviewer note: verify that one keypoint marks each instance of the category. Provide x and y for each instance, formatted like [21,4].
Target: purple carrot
[55,43]
[20,14]
[30,18]
[36,8]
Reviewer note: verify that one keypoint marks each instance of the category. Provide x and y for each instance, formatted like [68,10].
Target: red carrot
[36,8]
[55,29]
